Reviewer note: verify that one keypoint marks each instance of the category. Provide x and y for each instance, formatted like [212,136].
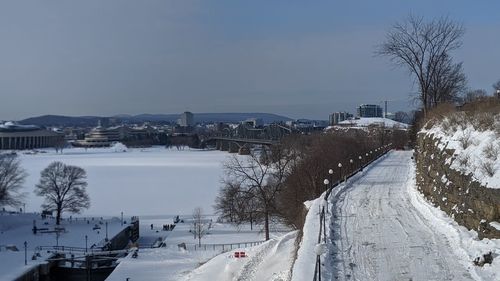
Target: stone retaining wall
[465,200]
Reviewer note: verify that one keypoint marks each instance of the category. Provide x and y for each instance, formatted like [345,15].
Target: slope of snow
[172,263]
[478,143]
[379,234]
[270,261]
[379,121]
[464,243]
[303,267]
[152,181]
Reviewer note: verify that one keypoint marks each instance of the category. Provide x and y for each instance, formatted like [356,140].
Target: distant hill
[59,120]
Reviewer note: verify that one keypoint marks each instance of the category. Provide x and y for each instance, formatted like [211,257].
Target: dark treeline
[273,183]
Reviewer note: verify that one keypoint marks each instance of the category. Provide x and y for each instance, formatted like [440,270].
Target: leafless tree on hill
[424,49]
[473,95]
[447,82]
[496,86]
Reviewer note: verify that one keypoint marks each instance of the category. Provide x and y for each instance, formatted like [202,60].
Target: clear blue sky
[297,58]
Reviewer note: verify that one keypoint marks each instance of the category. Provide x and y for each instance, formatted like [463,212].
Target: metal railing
[322,214]
[222,247]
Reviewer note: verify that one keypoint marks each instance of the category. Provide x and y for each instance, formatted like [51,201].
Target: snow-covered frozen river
[151,181]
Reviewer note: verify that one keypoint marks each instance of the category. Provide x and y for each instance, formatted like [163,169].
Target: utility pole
[385,112]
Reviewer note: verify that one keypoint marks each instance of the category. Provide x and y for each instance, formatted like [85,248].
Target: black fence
[370,158]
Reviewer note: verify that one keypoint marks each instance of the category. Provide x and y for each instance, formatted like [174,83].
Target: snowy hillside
[477,147]
[378,121]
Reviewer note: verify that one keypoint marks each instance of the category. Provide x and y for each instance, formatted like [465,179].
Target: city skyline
[290,58]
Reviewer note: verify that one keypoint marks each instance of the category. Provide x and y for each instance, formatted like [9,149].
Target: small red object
[240,255]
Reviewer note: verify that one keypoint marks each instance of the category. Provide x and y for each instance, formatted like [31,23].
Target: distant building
[254,122]
[101,137]
[15,136]
[338,117]
[369,110]
[306,125]
[186,119]
[390,115]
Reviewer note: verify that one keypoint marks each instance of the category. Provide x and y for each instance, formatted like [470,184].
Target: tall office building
[186,119]
[338,117]
[369,110]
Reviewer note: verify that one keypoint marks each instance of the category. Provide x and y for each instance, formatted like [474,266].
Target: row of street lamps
[368,157]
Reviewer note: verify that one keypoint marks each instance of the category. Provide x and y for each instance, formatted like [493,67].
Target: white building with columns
[15,136]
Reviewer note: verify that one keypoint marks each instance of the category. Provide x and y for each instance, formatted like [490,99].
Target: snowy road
[379,235]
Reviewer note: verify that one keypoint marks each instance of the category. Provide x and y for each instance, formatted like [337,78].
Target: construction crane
[385,105]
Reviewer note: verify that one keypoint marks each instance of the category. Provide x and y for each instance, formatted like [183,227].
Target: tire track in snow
[248,271]
[379,235]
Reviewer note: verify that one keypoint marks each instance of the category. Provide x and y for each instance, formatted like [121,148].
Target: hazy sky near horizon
[296,58]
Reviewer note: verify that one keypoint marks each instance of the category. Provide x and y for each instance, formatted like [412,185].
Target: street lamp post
[122,218]
[340,168]
[106,232]
[86,245]
[352,165]
[326,182]
[330,172]
[25,253]
[360,162]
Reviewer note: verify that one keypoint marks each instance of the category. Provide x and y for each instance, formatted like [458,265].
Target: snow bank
[303,268]
[465,243]
[119,147]
[271,260]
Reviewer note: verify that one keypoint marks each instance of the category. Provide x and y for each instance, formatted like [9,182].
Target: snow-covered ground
[382,229]
[150,181]
[173,263]
[270,261]
[15,229]
[379,121]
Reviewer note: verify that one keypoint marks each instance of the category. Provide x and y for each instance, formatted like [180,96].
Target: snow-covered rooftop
[379,121]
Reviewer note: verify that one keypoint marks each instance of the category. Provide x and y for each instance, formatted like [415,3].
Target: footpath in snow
[380,231]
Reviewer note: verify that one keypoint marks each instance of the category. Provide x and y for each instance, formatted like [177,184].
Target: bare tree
[236,206]
[200,225]
[60,144]
[473,95]
[259,178]
[228,202]
[401,116]
[496,86]
[64,189]
[423,48]
[447,82]
[12,177]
